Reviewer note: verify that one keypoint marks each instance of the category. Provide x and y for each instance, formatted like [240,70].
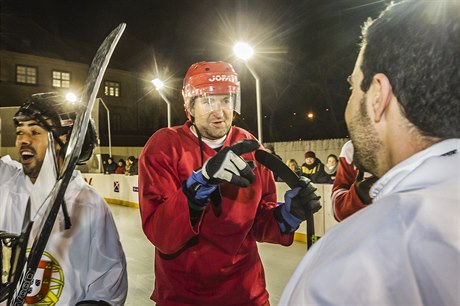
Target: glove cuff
[196,179]
[286,221]
[190,193]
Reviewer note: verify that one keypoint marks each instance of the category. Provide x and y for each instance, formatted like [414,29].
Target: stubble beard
[212,133]
[365,140]
[31,170]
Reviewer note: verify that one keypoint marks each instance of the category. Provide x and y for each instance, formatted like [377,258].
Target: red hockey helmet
[211,78]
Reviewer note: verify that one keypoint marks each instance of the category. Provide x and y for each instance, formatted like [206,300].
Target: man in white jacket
[403,118]
[84,264]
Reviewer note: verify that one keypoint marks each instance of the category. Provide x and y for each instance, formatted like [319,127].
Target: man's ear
[382,94]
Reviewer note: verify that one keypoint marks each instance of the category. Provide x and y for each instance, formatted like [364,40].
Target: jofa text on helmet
[224,78]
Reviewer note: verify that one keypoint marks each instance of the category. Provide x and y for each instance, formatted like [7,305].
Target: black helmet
[56,114]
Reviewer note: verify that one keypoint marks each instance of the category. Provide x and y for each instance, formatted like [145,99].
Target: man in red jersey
[350,191]
[205,202]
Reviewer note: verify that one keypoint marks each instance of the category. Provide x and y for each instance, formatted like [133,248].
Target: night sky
[304,49]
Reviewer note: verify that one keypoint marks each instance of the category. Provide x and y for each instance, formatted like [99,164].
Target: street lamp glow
[158,84]
[243,50]
[71,97]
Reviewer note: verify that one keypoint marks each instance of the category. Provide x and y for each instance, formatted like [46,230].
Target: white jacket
[404,249]
[87,261]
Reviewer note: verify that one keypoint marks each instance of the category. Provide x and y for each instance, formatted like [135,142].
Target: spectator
[110,167]
[121,166]
[127,166]
[204,208]
[331,167]
[403,118]
[86,260]
[132,167]
[313,168]
[350,191]
[294,166]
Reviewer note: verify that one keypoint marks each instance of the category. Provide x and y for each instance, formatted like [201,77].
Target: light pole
[245,51]
[108,125]
[158,86]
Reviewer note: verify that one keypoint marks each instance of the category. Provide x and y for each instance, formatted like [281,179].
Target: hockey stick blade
[93,82]
[277,166]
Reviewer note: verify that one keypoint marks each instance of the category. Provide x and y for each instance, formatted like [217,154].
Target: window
[61,79]
[112,89]
[26,75]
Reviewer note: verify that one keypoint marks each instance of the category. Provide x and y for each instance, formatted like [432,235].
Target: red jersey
[215,262]
[345,200]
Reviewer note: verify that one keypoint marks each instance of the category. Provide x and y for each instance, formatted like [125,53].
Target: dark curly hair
[416,44]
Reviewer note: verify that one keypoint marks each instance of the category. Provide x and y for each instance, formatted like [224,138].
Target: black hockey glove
[298,204]
[228,166]
[225,166]
[363,186]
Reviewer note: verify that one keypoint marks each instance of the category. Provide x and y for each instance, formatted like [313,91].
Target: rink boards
[123,190]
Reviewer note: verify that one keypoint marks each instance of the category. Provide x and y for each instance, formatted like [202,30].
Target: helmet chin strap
[216,197]
[200,141]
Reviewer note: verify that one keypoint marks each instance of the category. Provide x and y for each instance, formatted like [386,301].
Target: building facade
[135,109]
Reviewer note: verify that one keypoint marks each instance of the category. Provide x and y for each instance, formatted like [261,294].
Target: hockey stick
[277,166]
[93,82]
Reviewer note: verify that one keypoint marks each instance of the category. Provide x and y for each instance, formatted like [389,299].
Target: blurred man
[403,118]
[350,191]
[84,264]
[203,204]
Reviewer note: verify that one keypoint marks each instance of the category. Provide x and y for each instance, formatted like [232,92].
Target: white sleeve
[107,277]
[7,160]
